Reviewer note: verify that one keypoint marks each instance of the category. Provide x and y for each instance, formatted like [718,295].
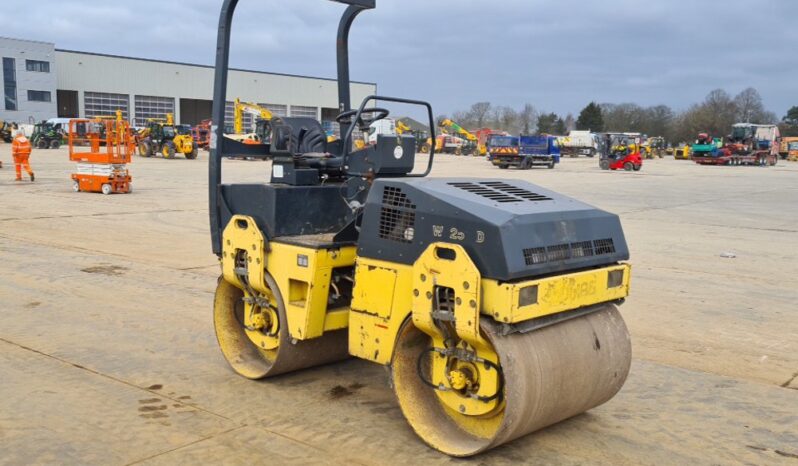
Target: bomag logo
[569,290]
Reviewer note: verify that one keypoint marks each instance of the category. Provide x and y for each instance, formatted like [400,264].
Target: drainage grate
[500,191]
[397,216]
[561,252]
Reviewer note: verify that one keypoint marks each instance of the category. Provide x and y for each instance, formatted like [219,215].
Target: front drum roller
[549,374]
[255,354]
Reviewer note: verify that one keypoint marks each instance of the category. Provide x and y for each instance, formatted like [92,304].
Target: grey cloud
[557,54]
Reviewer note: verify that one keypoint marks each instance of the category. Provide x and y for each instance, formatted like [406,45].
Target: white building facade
[29,77]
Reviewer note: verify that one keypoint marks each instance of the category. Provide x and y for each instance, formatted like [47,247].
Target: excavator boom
[447,123]
[240,107]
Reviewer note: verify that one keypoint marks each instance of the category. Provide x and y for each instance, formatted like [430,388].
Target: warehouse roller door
[193,111]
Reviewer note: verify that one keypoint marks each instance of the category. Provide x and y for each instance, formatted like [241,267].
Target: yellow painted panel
[554,294]
[336,319]
[374,289]
[303,276]
[374,320]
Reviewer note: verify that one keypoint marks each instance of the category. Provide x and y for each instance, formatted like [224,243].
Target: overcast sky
[555,54]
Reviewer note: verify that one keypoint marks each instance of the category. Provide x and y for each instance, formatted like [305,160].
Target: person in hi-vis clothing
[21,150]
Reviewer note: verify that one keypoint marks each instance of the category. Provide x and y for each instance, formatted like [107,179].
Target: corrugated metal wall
[85,72]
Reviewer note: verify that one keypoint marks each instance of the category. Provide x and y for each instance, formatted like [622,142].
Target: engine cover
[511,229]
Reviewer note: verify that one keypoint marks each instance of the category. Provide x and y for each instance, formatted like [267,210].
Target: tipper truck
[579,143]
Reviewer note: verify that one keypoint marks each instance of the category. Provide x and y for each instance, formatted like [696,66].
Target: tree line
[715,114]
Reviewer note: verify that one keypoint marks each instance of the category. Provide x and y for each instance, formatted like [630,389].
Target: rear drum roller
[257,344]
[549,375]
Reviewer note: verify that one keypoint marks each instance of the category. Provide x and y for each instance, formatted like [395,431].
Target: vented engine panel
[397,216]
[511,229]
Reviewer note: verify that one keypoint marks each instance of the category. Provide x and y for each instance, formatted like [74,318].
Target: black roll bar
[347,140]
[220,97]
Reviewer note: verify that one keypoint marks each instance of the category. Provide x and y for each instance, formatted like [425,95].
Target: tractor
[492,302]
[162,136]
[45,136]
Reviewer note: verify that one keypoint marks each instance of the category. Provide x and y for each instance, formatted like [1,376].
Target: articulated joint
[463,366]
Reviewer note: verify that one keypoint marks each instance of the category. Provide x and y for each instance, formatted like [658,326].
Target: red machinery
[622,157]
[202,134]
[630,162]
[102,149]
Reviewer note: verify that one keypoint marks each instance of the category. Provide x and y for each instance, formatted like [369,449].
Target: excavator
[262,123]
[493,302]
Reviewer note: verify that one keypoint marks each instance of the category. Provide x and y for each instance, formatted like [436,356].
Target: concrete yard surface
[108,353]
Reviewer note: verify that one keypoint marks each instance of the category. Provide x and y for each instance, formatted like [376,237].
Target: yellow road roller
[493,302]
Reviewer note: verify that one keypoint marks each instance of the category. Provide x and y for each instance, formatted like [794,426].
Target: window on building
[277,109]
[10,83]
[105,104]
[308,112]
[152,107]
[39,96]
[38,66]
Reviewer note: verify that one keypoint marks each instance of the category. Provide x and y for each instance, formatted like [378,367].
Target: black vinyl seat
[299,135]
[306,141]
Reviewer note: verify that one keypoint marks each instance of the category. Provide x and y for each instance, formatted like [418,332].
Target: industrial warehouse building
[42,82]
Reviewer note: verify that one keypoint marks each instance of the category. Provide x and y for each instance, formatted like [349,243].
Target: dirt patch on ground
[111,270]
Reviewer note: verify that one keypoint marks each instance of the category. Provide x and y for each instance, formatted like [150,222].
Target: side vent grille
[561,252]
[397,216]
[500,191]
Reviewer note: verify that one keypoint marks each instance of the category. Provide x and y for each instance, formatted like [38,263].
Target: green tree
[591,119]
[789,124]
[547,123]
[791,118]
[559,127]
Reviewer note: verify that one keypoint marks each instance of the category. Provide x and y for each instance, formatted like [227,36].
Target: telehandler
[492,301]
[162,136]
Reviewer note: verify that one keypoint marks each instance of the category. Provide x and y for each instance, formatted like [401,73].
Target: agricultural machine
[46,136]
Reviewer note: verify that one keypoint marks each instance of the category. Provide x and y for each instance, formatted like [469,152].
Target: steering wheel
[363,123]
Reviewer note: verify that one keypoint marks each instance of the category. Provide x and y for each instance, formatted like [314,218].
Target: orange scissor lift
[102,149]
